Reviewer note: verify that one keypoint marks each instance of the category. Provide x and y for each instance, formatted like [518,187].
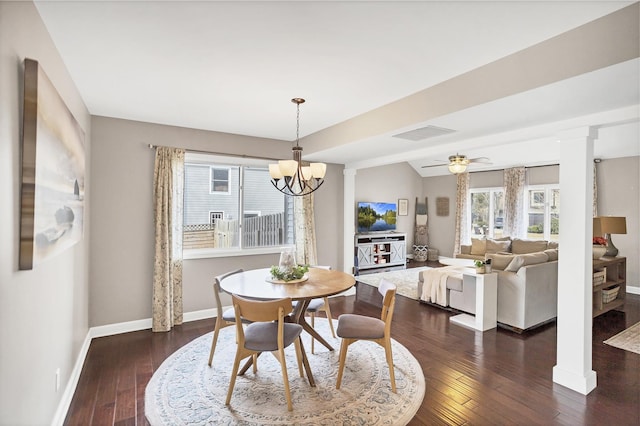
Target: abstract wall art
[53,172]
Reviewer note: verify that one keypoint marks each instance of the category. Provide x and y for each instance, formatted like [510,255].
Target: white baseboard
[70,389]
[119,328]
[633,290]
[203,314]
[109,330]
[582,383]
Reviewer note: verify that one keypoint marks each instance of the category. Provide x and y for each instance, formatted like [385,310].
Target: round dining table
[318,283]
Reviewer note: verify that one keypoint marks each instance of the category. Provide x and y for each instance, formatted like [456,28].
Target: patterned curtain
[514,180]
[595,190]
[462,196]
[305,230]
[168,182]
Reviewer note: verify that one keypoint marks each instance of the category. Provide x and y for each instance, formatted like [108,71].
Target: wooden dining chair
[225,318]
[352,328]
[268,332]
[318,305]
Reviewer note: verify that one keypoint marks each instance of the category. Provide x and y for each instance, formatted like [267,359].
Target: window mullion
[241,207]
[547,214]
[491,209]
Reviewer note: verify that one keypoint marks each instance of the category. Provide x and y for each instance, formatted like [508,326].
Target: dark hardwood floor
[472,378]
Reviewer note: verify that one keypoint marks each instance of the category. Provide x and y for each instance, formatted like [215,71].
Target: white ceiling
[234,66]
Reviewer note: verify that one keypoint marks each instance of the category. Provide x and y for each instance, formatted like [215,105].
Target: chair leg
[215,340]
[299,356]
[312,315]
[343,357]
[255,363]
[285,377]
[327,310]
[234,373]
[392,376]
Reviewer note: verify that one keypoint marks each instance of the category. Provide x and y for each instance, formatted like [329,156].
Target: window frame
[212,179]
[491,190]
[212,213]
[228,162]
[547,189]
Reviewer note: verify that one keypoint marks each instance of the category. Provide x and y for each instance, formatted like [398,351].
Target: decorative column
[349,221]
[574,332]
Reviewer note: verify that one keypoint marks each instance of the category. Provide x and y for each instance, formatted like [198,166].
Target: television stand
[380,252]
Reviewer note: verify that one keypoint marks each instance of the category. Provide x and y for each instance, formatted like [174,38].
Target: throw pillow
[496,246]
[552,253]
[499,261]
[521,260]
[478,247]
[552,245]
[519,246]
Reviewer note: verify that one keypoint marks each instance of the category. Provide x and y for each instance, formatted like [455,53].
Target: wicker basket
[610,294]
[599,277]
[432,254]
[420,253]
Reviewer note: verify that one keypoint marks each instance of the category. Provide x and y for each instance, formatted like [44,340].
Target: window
[219,180]
[213,216]
[543,212]
[487,212]
[230,205]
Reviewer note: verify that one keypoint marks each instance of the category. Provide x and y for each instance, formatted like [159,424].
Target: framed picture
[403,207]
[53,172]
[442,206]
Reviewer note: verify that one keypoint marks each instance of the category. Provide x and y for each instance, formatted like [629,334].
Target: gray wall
[441,228]
[618,195]
[122,216]
[43,312]
[389,184]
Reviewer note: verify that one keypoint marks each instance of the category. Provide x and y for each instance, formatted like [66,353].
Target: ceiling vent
[423,133]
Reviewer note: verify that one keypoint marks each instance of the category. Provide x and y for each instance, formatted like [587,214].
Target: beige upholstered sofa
[527,287]
[479,248]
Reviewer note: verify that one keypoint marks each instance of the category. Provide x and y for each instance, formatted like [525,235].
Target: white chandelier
[292,178]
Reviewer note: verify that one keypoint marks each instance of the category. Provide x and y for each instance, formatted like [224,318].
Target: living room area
[513,105]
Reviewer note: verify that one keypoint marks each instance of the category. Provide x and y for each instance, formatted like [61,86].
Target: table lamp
[608,225]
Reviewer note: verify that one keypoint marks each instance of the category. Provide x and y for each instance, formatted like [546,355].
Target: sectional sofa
[527,281]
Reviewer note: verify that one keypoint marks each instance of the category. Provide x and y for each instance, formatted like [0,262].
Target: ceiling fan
[458,163]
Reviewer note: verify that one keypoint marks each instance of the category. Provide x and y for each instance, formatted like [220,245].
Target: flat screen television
[376,217]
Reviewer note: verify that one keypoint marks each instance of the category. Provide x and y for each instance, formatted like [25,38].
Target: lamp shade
[456,168]
[274,171]
[306,172]
[288,167]
[609,225]
[318,170]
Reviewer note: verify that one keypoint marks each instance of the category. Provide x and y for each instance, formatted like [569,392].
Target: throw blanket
[434,288]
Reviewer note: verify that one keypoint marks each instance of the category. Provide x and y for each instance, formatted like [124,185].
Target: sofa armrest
[528,297]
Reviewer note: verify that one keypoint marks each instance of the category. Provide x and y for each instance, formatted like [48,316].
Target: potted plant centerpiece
[479,266]
[287,269]
[295,273]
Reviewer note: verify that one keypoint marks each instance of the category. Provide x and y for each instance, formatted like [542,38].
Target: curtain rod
[197,151]
[526,167]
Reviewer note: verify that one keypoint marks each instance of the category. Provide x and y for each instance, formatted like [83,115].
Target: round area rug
[186,391]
